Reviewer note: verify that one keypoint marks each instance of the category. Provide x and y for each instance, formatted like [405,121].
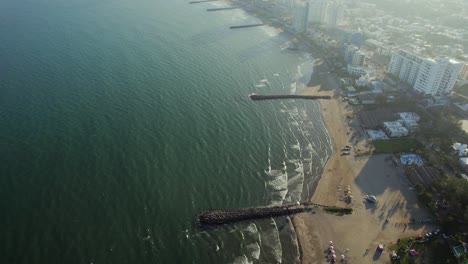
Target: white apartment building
[437,76]
[429,76]
[301,16]
[405,66]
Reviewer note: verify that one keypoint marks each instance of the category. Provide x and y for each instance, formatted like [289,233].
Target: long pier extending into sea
[202,1]
[219,217]
[227,216]
[245,26]
[222,8]
[287,96]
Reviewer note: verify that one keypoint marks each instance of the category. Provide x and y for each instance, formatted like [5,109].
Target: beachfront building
[405,66]
[434,77]
[395,129]
[301,16]
[437,76]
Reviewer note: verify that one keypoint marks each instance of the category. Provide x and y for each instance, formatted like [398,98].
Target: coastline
[370,225]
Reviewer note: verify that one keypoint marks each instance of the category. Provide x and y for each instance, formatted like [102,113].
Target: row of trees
[453,192]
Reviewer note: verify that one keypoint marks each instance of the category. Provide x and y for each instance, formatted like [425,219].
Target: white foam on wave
[277,183]
[293,88]
[272,241]
[253,250]
[278,180]
[294,123]
[270,31]
[251,230]
[296,146]
[269,158]
[242,260]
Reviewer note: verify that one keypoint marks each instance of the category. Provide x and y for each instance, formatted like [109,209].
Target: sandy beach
[357,235]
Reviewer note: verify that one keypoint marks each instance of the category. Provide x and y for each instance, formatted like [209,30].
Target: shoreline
[370,224]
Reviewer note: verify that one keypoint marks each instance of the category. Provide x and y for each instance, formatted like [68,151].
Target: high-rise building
[405,66]
[301,16]
[335,14]
[464,71]
[359,58]
[428,76]
[349,52]
[317,11]
[437,76]
[354,56]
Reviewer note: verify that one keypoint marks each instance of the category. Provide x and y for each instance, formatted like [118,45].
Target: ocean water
[120,121]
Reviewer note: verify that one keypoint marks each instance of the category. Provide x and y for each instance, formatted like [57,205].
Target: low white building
[411,125]
[463,162]
[409,120]
[460,149]
[409,116]
[395,129]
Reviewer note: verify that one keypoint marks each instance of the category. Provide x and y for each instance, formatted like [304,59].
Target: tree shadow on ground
[380,175]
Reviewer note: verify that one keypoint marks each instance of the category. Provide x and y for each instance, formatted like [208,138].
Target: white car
[371,198]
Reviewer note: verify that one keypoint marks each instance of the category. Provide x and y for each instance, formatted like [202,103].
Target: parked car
[371,198]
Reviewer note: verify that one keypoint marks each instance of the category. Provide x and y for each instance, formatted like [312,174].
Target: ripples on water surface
[120,121]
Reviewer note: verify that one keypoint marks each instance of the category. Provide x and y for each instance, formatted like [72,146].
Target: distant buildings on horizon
[325,12]
[428,68]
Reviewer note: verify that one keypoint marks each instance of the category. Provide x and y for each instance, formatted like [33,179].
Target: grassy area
[433,251]
[396,145]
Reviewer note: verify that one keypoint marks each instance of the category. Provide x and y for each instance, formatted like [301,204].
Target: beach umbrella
[342,257]
[332,247]
[330,242]
[334,256]
[332,252]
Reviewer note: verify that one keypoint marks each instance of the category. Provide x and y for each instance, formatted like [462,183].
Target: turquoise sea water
[121,120]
